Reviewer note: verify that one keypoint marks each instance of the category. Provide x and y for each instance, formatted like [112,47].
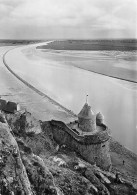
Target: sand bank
[42,107]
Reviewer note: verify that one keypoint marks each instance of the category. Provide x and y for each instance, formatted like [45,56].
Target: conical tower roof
[86,112]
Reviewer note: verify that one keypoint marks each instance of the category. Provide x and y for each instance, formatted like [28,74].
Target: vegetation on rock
[31,162]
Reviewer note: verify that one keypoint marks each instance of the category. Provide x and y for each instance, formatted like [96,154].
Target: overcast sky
[81,19]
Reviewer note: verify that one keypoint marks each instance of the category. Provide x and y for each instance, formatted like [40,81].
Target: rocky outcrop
[31,162]
[13,176]
[23,123]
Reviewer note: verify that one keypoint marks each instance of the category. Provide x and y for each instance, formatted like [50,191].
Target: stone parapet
[93,148]
[99,137]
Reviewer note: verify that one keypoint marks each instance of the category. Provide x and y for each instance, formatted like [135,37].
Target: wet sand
[115,58]
[13,89]
[120,65]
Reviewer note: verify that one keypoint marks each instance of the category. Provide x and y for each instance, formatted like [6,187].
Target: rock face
[32,163]
[23,123]
[12,168]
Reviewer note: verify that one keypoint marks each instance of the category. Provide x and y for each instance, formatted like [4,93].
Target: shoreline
[34,88]
[63,46]
[122,79]
[97,72]
[12,89]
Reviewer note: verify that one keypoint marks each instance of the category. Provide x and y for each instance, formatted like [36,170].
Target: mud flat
[13,89]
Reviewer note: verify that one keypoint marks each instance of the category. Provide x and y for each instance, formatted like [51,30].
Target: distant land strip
[92,45]
[34,88]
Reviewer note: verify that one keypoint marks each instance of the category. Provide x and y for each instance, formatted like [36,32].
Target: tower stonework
[88,136]
[87,119]
[99,119]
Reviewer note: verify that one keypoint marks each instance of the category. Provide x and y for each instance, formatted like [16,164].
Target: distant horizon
[37,39]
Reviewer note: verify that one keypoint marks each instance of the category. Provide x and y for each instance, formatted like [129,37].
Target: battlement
[93,147]
[98,137]
[88,136]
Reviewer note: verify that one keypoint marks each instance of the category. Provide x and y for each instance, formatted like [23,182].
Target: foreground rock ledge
[31,162]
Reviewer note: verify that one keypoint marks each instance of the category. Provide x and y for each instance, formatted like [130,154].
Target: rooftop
[86,112]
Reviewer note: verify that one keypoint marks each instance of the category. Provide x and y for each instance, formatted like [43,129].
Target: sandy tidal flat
[13,89]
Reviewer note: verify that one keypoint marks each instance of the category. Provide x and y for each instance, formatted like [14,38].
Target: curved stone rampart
[92,148]
[96,138]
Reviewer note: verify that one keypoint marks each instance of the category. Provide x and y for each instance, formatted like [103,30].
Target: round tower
[87,119]
[99,119]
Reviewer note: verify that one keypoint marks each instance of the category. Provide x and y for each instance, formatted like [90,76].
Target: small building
[9,107]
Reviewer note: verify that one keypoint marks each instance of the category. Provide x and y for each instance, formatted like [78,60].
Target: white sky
[48,19]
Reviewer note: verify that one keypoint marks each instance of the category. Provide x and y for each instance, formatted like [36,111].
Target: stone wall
[87,125]
[96,138]
[99,121]
[92,153]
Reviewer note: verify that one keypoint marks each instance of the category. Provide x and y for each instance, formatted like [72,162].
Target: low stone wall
[97,138]
[96,152]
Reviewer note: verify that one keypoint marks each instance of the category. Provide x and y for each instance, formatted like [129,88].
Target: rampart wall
[91,148]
